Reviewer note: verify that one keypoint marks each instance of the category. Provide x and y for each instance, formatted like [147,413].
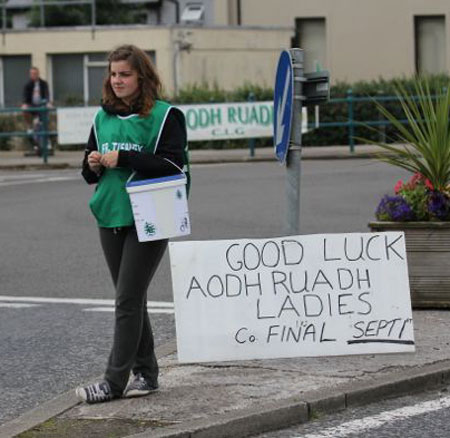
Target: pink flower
[415,179]
[398,186]
[429,184]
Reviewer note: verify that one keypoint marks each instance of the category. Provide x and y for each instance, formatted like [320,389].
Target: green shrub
[363,111]
[15,122]
[9,123]
[329,112]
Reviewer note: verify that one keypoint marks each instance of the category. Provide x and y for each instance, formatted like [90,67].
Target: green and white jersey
[110,202]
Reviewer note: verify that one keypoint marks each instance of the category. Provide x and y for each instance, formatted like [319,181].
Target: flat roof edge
[148,27]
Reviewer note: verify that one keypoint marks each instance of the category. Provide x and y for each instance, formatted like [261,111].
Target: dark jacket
[28,91]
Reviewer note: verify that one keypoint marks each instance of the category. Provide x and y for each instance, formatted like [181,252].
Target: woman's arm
[168,158]
[90,176]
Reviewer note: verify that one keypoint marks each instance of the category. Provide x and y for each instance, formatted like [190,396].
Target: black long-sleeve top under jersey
[164,162]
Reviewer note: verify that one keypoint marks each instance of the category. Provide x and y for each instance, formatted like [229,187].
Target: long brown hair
[149,82]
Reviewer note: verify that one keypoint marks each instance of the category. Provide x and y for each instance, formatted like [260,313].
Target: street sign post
[283,103]
[287,129]
[293,89]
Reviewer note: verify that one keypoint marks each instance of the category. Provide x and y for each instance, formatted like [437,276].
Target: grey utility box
[316,88]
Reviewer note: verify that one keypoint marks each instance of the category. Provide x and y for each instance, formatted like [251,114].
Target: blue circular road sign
[282,106]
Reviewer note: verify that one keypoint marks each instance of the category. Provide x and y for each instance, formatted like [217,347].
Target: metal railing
[40,131]
[43,133]
[351,123]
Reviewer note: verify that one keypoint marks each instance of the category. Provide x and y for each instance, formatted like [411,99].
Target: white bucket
[160,207]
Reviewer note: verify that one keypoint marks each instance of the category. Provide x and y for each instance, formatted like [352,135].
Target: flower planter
[428,252]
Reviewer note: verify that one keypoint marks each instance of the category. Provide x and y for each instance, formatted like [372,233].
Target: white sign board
[221,121]
[218,121]
[311,295]
[74,124]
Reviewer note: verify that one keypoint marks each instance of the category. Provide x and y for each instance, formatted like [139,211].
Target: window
[67,79]
[14,74]
[234,12]
[95,66]
[193,12]
[310,36]
[78,78]
[430,44]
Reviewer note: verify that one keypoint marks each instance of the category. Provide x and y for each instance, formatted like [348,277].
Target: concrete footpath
[15,160]
[238,399]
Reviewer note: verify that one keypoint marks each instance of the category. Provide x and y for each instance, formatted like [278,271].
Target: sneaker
[95,393]
[139,386]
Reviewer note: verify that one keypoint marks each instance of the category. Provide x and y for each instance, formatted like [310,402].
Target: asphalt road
[49,239]
[416,416]
[46,350]
[50,249]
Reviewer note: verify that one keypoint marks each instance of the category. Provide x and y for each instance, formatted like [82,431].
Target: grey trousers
[132,265]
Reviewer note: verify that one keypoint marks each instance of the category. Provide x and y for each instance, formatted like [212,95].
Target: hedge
[364,111]
[329,112]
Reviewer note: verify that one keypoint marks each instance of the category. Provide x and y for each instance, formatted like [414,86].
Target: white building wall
[228,57]
[366,39]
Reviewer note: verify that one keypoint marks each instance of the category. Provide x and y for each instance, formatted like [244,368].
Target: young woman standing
[134,131]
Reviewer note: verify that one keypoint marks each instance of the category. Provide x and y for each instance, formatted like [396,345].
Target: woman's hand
[94,161]
[110,159]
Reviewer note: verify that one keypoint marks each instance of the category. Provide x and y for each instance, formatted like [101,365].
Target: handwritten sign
[311,295]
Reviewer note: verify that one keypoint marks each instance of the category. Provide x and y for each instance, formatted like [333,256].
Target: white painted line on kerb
[111,309]
[366,423]
[82,301]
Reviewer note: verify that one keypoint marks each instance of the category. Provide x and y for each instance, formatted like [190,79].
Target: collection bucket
[160,207]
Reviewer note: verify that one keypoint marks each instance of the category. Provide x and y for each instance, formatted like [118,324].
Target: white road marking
[363,424]
[81,301]
[18,305]
[99,305]
[111,309]
[226,164]
[19,176]
[38,180]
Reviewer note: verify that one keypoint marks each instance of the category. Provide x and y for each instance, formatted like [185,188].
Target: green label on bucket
[149,229]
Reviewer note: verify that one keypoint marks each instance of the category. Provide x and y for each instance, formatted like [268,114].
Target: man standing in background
[35,94]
